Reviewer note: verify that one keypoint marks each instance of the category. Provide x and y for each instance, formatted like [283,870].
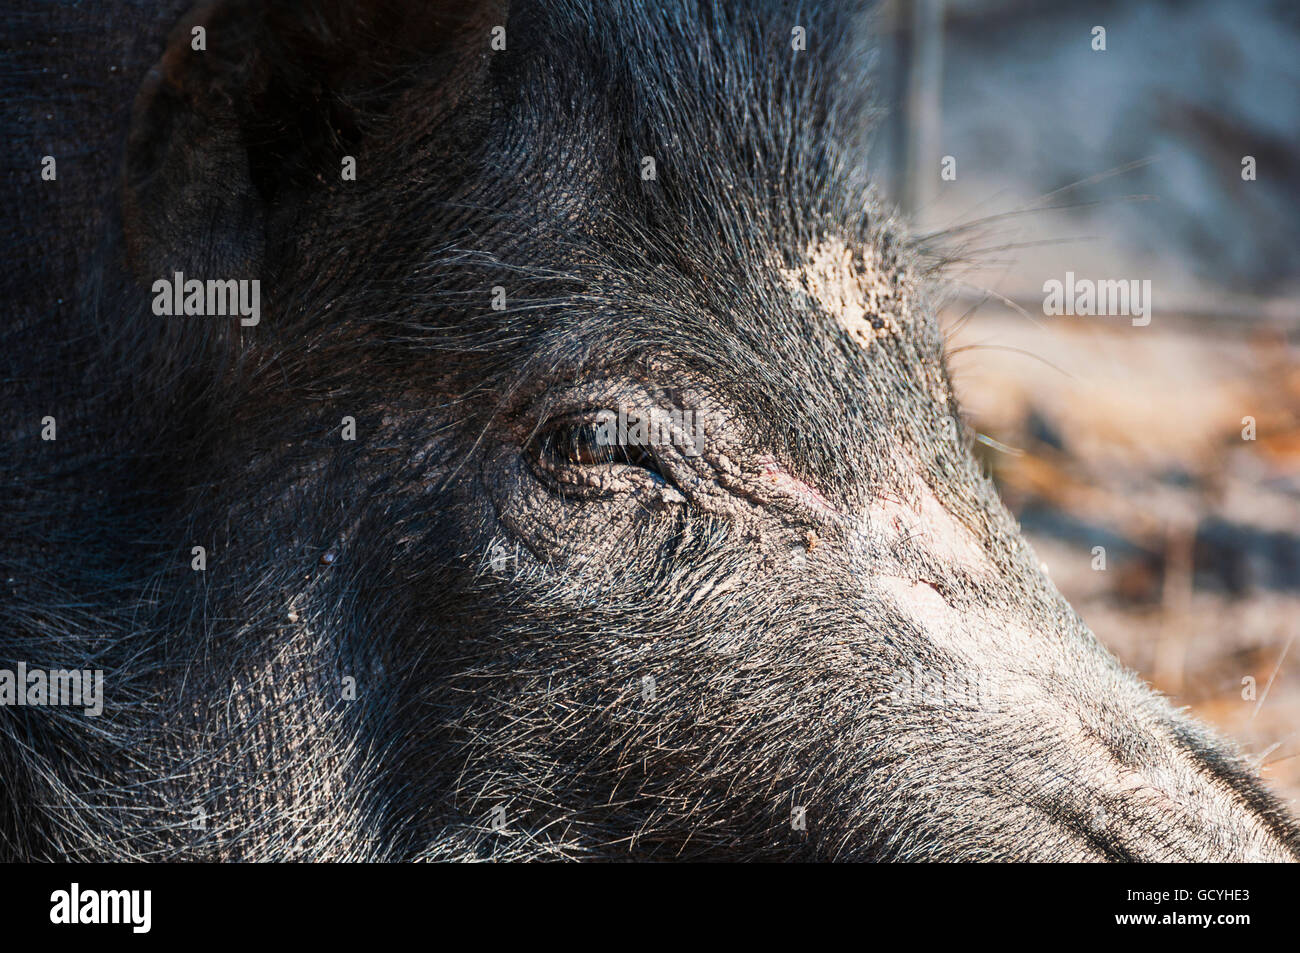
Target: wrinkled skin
[559,649]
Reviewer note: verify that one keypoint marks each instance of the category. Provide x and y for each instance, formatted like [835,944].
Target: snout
[1047,740]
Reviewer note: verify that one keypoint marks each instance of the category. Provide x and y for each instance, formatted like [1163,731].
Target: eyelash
[575,442]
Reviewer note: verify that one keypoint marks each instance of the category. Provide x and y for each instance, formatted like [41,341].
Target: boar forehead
[756,261]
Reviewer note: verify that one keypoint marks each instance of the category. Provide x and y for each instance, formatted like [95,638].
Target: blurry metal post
[924,105]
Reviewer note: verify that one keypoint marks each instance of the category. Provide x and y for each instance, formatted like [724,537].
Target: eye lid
[585,448]
[589,443]
[594,438]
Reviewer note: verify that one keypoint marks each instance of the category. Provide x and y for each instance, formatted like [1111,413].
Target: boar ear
[254,106]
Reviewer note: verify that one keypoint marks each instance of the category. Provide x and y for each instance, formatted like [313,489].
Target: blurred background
[1127,163]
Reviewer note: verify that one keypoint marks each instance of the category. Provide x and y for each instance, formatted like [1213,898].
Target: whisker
[1277,669]
[1017,350]
[999,446]
[950,231]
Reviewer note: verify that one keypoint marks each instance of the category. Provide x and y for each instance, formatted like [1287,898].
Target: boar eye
[593,440]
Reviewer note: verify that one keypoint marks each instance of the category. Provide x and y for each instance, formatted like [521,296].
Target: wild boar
[590,485]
